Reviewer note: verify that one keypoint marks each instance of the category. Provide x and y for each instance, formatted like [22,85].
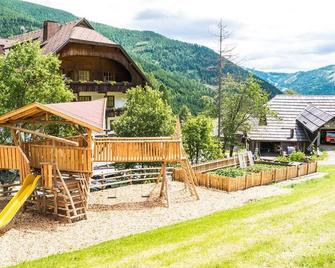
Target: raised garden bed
[263,174]
[234,172]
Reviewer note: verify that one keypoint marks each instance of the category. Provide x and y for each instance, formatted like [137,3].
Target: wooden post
[318,143]
[163,172]
[14,136]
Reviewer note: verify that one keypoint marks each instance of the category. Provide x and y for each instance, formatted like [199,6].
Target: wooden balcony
[100,87]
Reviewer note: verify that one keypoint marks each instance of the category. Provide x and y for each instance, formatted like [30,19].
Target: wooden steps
[68,201]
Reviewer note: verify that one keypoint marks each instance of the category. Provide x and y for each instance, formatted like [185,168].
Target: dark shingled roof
[313,118]
[288,110]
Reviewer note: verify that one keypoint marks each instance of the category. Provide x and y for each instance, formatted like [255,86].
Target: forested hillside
[319,81]
[185,69]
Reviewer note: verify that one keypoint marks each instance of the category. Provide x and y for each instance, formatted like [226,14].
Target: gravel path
[330,160]
[33,236]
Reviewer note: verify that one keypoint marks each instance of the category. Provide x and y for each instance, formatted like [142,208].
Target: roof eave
[45,108]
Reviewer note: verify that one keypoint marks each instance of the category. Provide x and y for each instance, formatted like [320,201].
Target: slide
[8,213]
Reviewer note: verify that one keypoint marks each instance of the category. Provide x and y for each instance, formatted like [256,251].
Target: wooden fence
[254,179]
[216,164]
[9,189]
[68,158]
[12,157]
[134,150]
[116,178]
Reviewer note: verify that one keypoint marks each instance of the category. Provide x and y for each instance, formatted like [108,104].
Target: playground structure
[55,172]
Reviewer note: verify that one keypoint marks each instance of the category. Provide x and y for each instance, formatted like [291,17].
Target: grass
[322,156]
[291,230]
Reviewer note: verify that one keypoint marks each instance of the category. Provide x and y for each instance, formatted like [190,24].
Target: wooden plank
[61,140]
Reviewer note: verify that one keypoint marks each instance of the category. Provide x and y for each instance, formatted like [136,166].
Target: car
[330,137]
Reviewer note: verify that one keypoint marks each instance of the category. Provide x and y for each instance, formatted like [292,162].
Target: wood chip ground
[117,213]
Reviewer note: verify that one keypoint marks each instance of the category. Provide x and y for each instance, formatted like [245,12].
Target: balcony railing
[100,87]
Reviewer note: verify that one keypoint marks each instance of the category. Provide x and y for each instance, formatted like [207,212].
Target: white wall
[119,97]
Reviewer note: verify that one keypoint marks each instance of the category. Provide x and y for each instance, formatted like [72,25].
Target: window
[108,76]
[84,98]
[84,75]
[110,101]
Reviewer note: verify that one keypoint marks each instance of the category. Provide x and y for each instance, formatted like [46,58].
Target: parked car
[330,137]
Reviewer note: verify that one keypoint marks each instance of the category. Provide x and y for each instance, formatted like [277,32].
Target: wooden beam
[43,122]
[32,132]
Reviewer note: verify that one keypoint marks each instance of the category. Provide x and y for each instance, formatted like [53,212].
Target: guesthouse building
[94,66]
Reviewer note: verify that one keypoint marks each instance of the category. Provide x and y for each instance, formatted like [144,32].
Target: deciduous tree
[27,76]
[241,101]
[198,139]
[184,113]
[146,115]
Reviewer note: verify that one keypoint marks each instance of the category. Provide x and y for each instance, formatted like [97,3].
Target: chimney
[49,29]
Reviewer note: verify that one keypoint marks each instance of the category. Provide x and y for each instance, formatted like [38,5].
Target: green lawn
[292,230]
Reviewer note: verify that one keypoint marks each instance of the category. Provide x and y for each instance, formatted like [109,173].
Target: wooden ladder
[71,203]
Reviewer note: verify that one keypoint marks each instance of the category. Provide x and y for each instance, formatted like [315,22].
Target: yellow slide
[8,213]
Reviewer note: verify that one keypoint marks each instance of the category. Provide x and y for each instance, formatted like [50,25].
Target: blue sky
[281,36]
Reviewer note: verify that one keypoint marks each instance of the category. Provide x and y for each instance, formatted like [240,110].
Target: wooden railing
[80,139]
[12,157]
[135,150]
[72,159]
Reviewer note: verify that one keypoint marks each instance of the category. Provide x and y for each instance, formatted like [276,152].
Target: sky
[268,35]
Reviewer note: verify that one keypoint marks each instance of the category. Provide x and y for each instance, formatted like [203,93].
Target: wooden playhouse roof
[88,114]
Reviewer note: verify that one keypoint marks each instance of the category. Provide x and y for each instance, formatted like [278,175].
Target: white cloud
[268,35]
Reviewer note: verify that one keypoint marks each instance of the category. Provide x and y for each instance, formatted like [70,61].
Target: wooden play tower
[66,164]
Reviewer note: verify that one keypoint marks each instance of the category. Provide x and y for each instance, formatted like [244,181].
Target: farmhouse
[94,66]
[300,121]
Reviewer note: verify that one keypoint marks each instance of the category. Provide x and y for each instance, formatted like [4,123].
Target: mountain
[319,81]
[189,71]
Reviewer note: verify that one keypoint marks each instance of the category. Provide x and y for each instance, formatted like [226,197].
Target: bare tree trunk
[231,150]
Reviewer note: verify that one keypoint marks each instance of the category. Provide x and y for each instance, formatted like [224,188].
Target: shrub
[297,157]
[282,158]
[293,157]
